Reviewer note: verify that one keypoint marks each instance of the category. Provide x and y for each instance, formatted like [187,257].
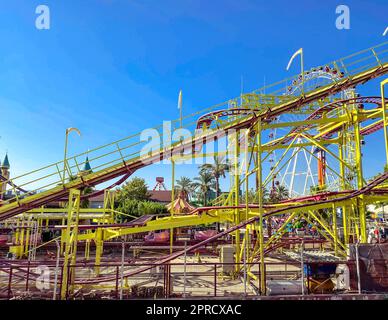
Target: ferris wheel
[307,167]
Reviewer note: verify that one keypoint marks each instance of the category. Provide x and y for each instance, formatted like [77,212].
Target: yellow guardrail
[129,149]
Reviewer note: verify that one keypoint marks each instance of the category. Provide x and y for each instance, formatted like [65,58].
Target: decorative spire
[6,162]
[87,167]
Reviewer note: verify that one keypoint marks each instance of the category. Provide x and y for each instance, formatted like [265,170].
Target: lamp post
[299,52]
[180,107]
[68,130]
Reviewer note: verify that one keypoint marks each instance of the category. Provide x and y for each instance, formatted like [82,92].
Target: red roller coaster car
[157,237]
[3,240]
[204,234]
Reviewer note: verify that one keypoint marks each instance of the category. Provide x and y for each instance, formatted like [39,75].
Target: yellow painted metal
[172,198]
[71,238]
[99,241]
[347,119]
[384,112]
[335,231]
[237,196]
[260,195]
[50,176]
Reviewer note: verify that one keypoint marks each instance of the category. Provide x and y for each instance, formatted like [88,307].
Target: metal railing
[131,149]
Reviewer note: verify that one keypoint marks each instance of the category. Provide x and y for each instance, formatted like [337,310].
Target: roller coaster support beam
[237,194]
[335,230]
[383,107]
[360,179]
[345,223]
[27,242]
[260,195]
[99,250]
[246,243]
[71,237]
[172,201]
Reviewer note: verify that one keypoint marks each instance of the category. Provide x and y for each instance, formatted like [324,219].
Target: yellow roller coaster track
[123,157]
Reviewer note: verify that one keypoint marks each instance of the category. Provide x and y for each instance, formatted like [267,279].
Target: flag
[180,100]
[300,51]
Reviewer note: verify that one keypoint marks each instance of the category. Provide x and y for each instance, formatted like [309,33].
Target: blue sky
[114,67]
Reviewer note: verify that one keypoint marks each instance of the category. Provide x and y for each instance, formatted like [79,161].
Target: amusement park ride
[314,122]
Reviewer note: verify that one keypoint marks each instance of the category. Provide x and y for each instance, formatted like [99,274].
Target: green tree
[84,191]
[138,208]
[218,169]
[134,189]
[132,199]
[204,184]
[186,186]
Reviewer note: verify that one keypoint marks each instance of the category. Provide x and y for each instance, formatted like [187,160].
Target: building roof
[160,195]
[98,198]
[155,195]
[6,162]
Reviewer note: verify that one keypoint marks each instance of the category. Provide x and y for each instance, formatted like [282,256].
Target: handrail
[105,157]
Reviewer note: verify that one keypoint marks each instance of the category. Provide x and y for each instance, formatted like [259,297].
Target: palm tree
[185,186]
[265,195]
[218,169]
[277,194]
[205,183]
[86,191]
[253,196]
[282,193]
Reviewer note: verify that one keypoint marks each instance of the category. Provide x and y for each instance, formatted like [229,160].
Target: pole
[28,275]
[180,116]
[180,108]
[184,273]
[65,156]
[10,282]
[56,270]
[172,202]
[302,70]
[122,269]
[260,194]
[383,107]
[302,266]
[358,270]
[68,130]
[236,198]
[215,280]
[245,265]
[246,207]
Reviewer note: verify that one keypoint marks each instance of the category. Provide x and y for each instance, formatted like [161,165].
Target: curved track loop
[208,118]
[318,114]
